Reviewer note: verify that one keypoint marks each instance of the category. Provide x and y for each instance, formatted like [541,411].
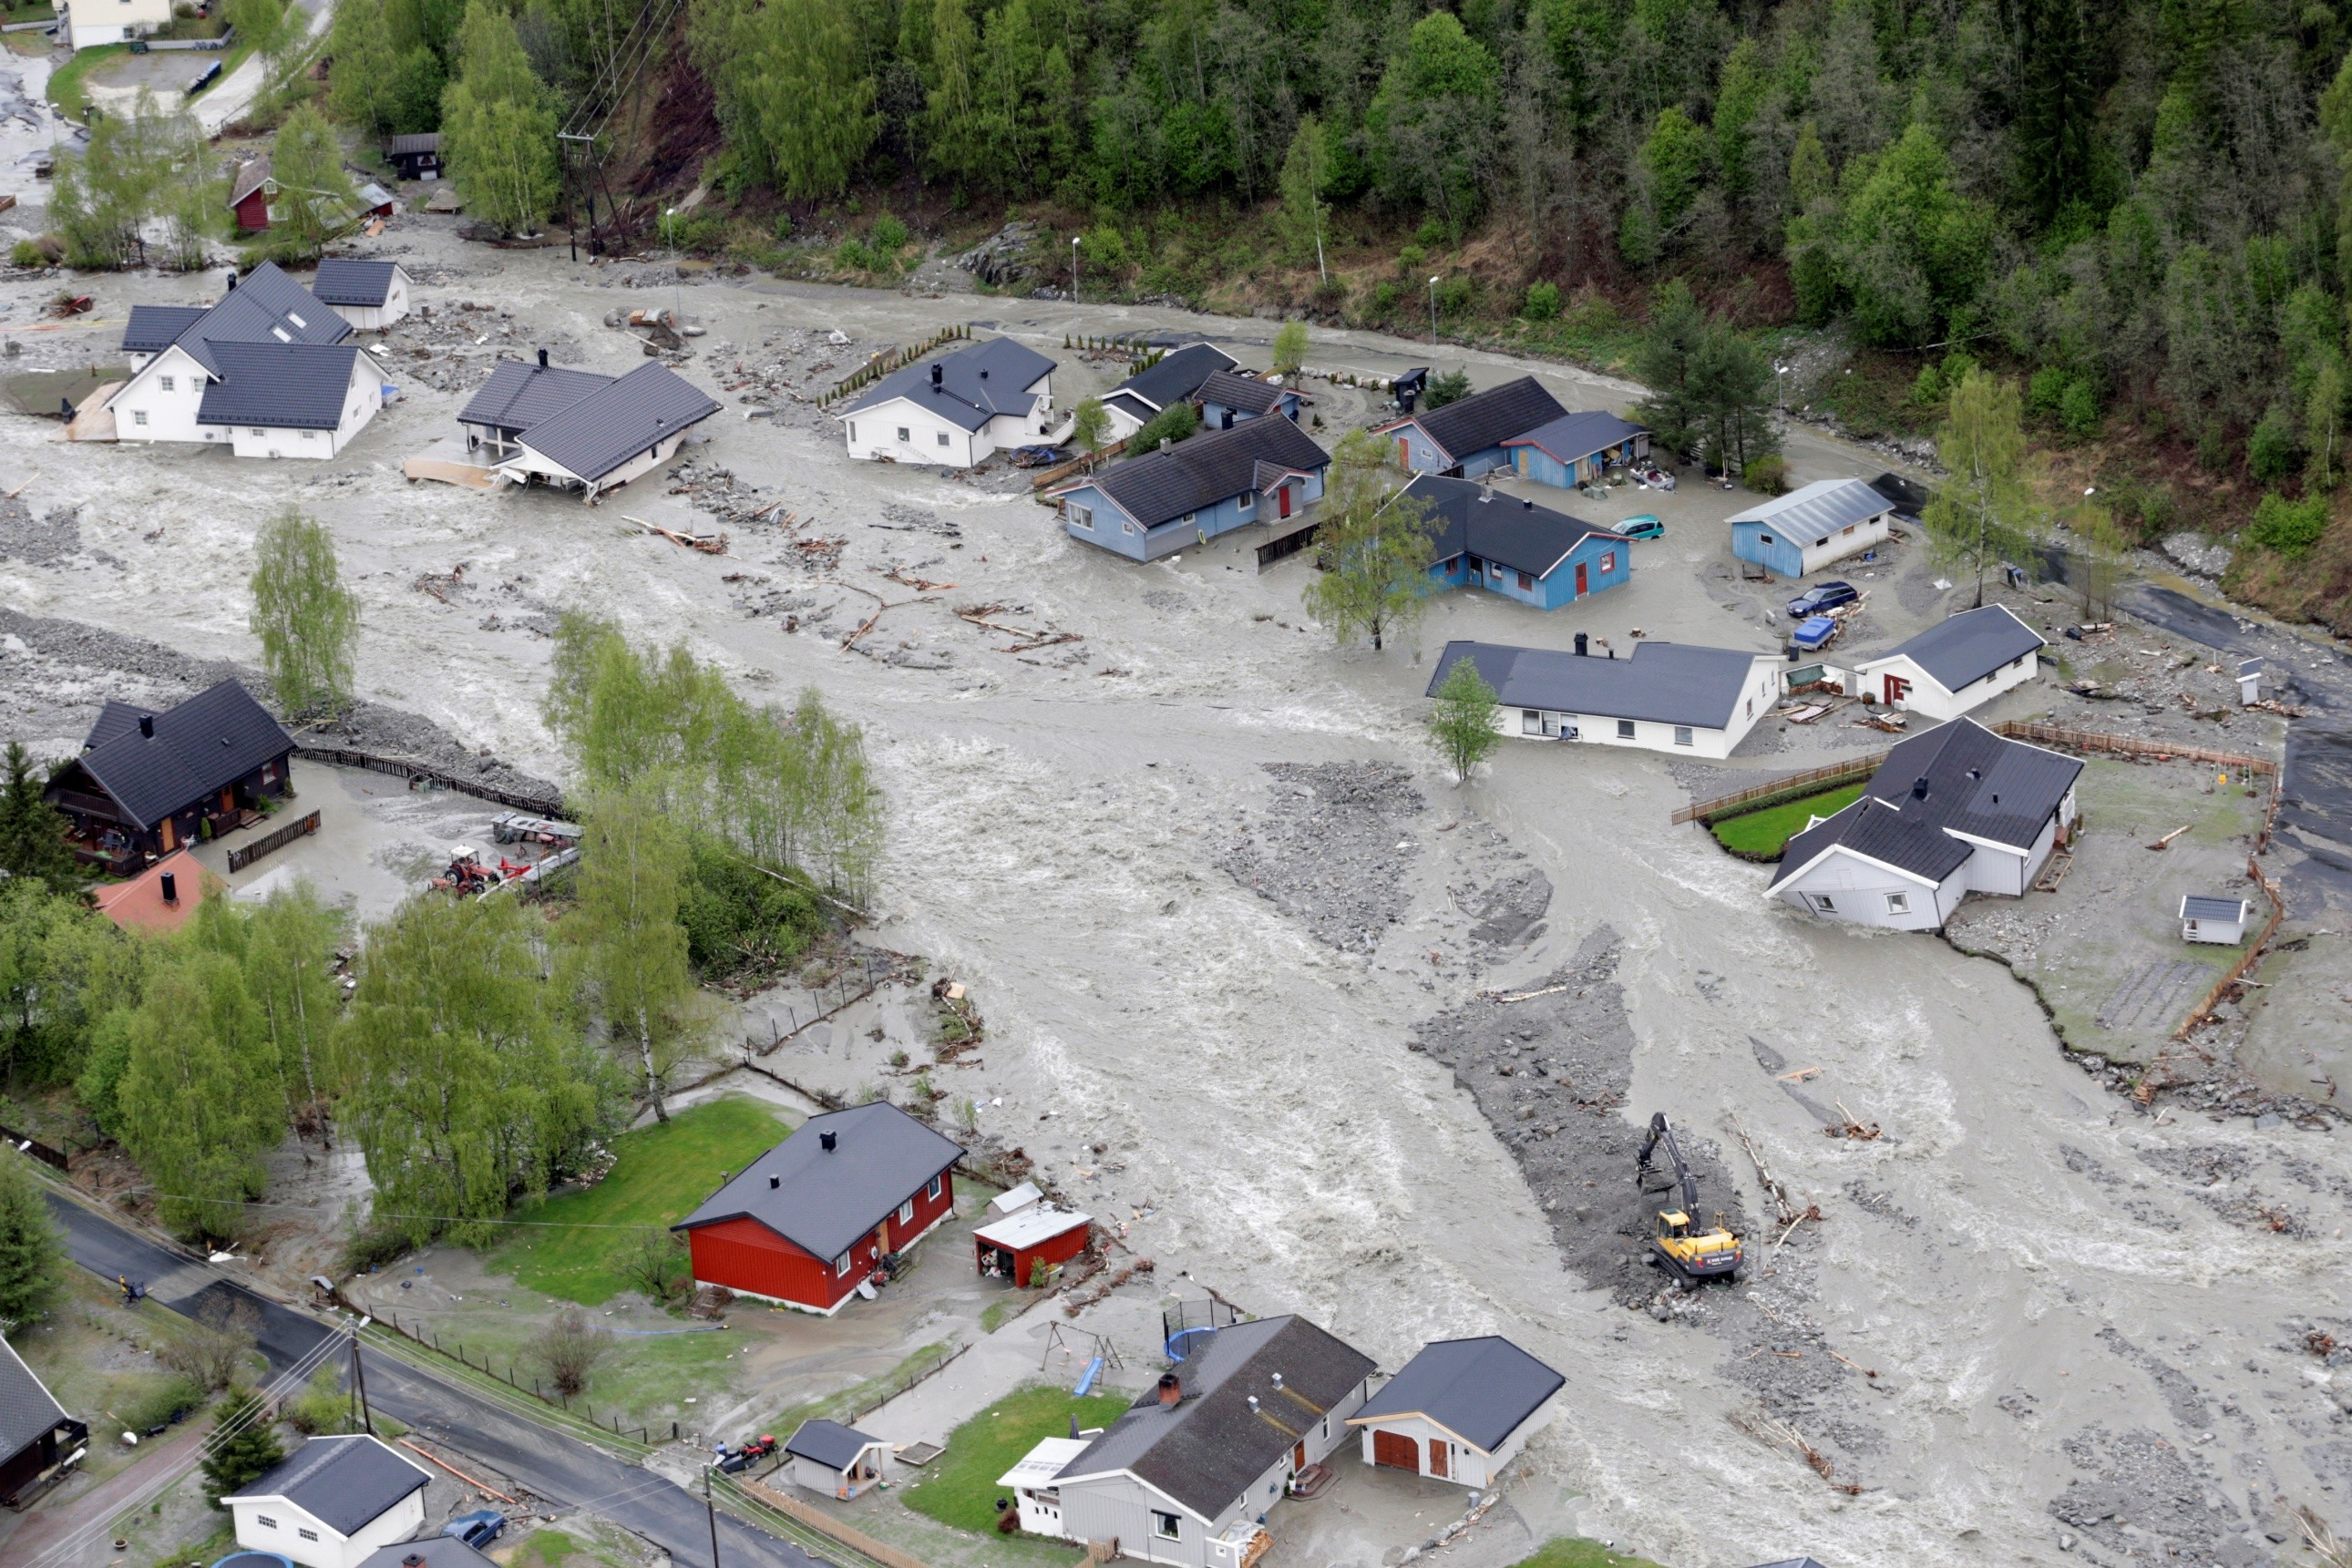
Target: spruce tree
[250,1453]
[32,832]
[32,1254]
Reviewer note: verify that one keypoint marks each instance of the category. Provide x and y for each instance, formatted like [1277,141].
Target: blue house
[1260,471]
[1576,447]
[1172,378]
[1804,531]
[1467,439]
[1515,547]
[1229,397]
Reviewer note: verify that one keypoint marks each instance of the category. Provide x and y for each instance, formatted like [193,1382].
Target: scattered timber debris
[1024,640]
[441,584]
[1851,1127]
[709,544]
[2165,842]
[1775,1434]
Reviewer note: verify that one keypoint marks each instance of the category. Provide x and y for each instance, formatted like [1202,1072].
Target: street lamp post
[1778,395]
[1432,312]
[677,281]
[1073,267]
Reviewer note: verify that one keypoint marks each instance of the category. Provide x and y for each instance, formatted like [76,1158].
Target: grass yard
[1768,831]
[66,89]
[659,1174]
[960,1488]
[1571,1552]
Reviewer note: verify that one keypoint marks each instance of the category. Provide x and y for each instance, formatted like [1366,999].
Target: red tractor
[467,877]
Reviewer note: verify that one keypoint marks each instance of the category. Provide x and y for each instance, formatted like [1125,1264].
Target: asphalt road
[559,1469]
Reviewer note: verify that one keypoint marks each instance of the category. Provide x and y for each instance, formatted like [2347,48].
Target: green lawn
[960,1488]
[1767,831]
[65,83]
[659,1174]
[1571,1552]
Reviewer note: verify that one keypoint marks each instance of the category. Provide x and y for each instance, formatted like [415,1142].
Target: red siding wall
[253,212]
[1052,1249]
[927,1212]
[745,1255]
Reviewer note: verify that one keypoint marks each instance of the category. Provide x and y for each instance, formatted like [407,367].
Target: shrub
[1105,249]
[736,915]
[160,1404]
[851,255]
[1432,232]
[1766,476]
[2271,449]
[1927,390]
[568,1350]
[1384,297]
[214,1355]
[2078,411]
[321,1410]
[1177,421]
[1455,294]
[889,232]
[2045,391]
[783,225]
[1543,301]
[1411,258]
[29,253]
[373,1247]
[1451,387]
[2289,527]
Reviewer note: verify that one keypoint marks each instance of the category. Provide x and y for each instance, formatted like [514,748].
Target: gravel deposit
[1331,852]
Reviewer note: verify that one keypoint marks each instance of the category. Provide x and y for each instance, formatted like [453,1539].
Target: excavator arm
[1660,1133]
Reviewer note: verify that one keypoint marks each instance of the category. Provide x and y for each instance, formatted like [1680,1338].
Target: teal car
[1645,527]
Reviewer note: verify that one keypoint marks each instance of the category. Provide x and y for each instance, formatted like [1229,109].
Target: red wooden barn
[812,1218]
[1016,1247]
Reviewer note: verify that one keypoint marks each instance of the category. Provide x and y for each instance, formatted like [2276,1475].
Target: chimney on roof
[147,726]
[171,881]
[231,279]
[1613,653]
[414,1560]
[1277,1380]
[1252,1400]
[1171,1389]
[775,1181]
[1485,493]
[1919,788]
[1166,442]
[827,1141]
[1581,640]
[938,371]
[542,359]
[1074,1424]
[983,376]
[1525,505]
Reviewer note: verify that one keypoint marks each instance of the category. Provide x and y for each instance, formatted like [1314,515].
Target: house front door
[1395,1450]
[1404,453]
[1298,1456]
[229,800]
[1581,587]
[170,839]
[1282,500]
[1436,1457]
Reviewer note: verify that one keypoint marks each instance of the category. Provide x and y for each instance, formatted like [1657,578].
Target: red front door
[1404,453]
[1282,499]
[1581,588]
[1437,1456]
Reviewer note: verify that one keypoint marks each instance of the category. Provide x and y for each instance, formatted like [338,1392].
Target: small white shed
[2250,681]
[2217,920]
[834,1461]
[1032,1483]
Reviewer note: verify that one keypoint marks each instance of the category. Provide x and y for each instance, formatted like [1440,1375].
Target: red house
[814,1218]
[249,196]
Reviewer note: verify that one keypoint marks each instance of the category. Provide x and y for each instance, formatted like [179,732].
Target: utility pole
[1073,267]
[358,1378]
[1432,312]
[712,1509]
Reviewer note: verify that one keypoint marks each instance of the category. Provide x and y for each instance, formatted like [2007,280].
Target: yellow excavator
[1691,1255]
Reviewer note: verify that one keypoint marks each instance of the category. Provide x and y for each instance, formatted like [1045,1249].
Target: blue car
[1827,596]
[477,1529]
[1644,527]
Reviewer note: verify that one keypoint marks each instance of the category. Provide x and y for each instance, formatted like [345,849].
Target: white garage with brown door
[1460,1411]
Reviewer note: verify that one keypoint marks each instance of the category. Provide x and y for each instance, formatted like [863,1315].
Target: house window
[264,1520]
[906,436]
[1609,561]
[1752,707]
[1081,516]
[1898,904]
[853,432]
[907,1212]
[138,416]
[164,381]
[310,436]
[1681,735]
[1166,1526]
[943,438]
[1824,904]
[1190,516]
[1128,526]
[281,334]
[1625,730]
[298,320]
[308,1534]
[932,1191]
[1530,721]
[1763,538]
[1526,583]
[840,1264]
[256,430]
[1247,503]
[1849,528]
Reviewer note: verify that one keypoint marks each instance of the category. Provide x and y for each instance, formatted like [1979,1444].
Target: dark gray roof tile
[1662,683]
[1177,375]
[1511,531]
[829,1443]
[155,328]
[295,386]
[1967,647]
[341,280]
[1480,1390]
[522,393]
[1574,437]
[27,1409]
[824,1200]
[619,421]
[1249,394]
[344,1483]
[975,385]
[209,742]
[1209,467]
[1488,418]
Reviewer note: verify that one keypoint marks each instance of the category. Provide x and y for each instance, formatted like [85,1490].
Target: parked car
[1825,596]
[477,1529]
[1645,527]
[1655,477]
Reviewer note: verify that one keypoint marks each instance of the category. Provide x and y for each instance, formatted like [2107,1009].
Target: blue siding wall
[1421,453]
[1551,591]
[1212,414]
[1534,463]
[1113,530]
[1486,461]
[1780,555]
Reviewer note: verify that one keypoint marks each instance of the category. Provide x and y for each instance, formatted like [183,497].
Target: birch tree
[1375,549]
[1983,514]
[629,941]
[498,128]
[308,622]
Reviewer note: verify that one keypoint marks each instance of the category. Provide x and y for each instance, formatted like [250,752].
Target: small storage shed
[1013,1200]
[1032,1483]
[834,1461]
[2221,921]
[1805,531]
[1460,1410]
[1013,1249]
[2250,681]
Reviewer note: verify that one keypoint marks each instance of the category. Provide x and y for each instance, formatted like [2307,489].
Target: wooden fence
[418,773]
[1786,787]
[27,1143]
[824,1524]
[2130,745]
[1061,471]
[245,855]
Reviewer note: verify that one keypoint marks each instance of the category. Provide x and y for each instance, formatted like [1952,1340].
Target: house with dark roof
[1576,448]
[1675,698]
[433,1552]
[957,410]
[333,1504]
[370,295]
[251,191]
[518,395]
[1467,437]
[1260,471]
[835,1461]
[1459,1411]
[1188,1474]
[600,440]
[1511,546]
[1172,378]
[148,782]
[1954,811]
[268,371]
[1961,663]
[821,1214]
[416,156]
[1229,397]
[40,1443]
[1806,530]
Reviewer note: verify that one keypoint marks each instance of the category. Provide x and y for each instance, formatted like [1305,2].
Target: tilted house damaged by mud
[1512,547]
[370,295]
[814,1219]
[1023,1248]
[958,410]
[1173,378]
[1261,470]
[1229,397]
[542,424]
[40,1443]
[1188,1473]
[1460,1410]
[332,1504]
[1805,531]
[270,371]
[1577,448]
[1957,810]
[1957,665]
[147,783]
[1469,437]
[1675,697]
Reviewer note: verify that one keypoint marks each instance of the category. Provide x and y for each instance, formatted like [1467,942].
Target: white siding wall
[1929,699]
[1850,541]
[361,398]
[328,1550]
[1757,695]
[171,415]
[1465,1466]
[377,318]
[1858,891]
[525,462]
[876,432]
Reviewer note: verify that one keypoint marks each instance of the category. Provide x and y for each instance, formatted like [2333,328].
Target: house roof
[419,141]
[975,385]
[2202,906]
[344,1483]
[823,1200]
[829,1443]
[1480,1390]
[1575,436]
[1128,404]
[209,741]
[1486,419]
[1662,683]
[251,175]
[437,1550]
[138,905]
[1809,516]
[1791,1562]
[1211,466]
[1978,784]
[1249,394]
[1508,531]
[1031,1226]
[155,328]
[1175,376]
[343,281]
[266,309]
[28,1411]
[615,423]
[520,394]
[299,386]
[1041,1464]
[1966,647]
[1234,1420]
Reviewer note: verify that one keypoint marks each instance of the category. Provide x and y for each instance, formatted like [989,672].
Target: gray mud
[1331,851]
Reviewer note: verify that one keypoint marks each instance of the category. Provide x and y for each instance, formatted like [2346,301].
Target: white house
[270,371]
[1460,1411]
[88,23]
[1187,1475]
[332,1504]
[1805,531]
[2221,921]
[581,431]
[1675,697]
[370,295]
[1956,810]
[1031,1481]
[1172,378]
[958,409]
[1957,665]
[836,1461]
